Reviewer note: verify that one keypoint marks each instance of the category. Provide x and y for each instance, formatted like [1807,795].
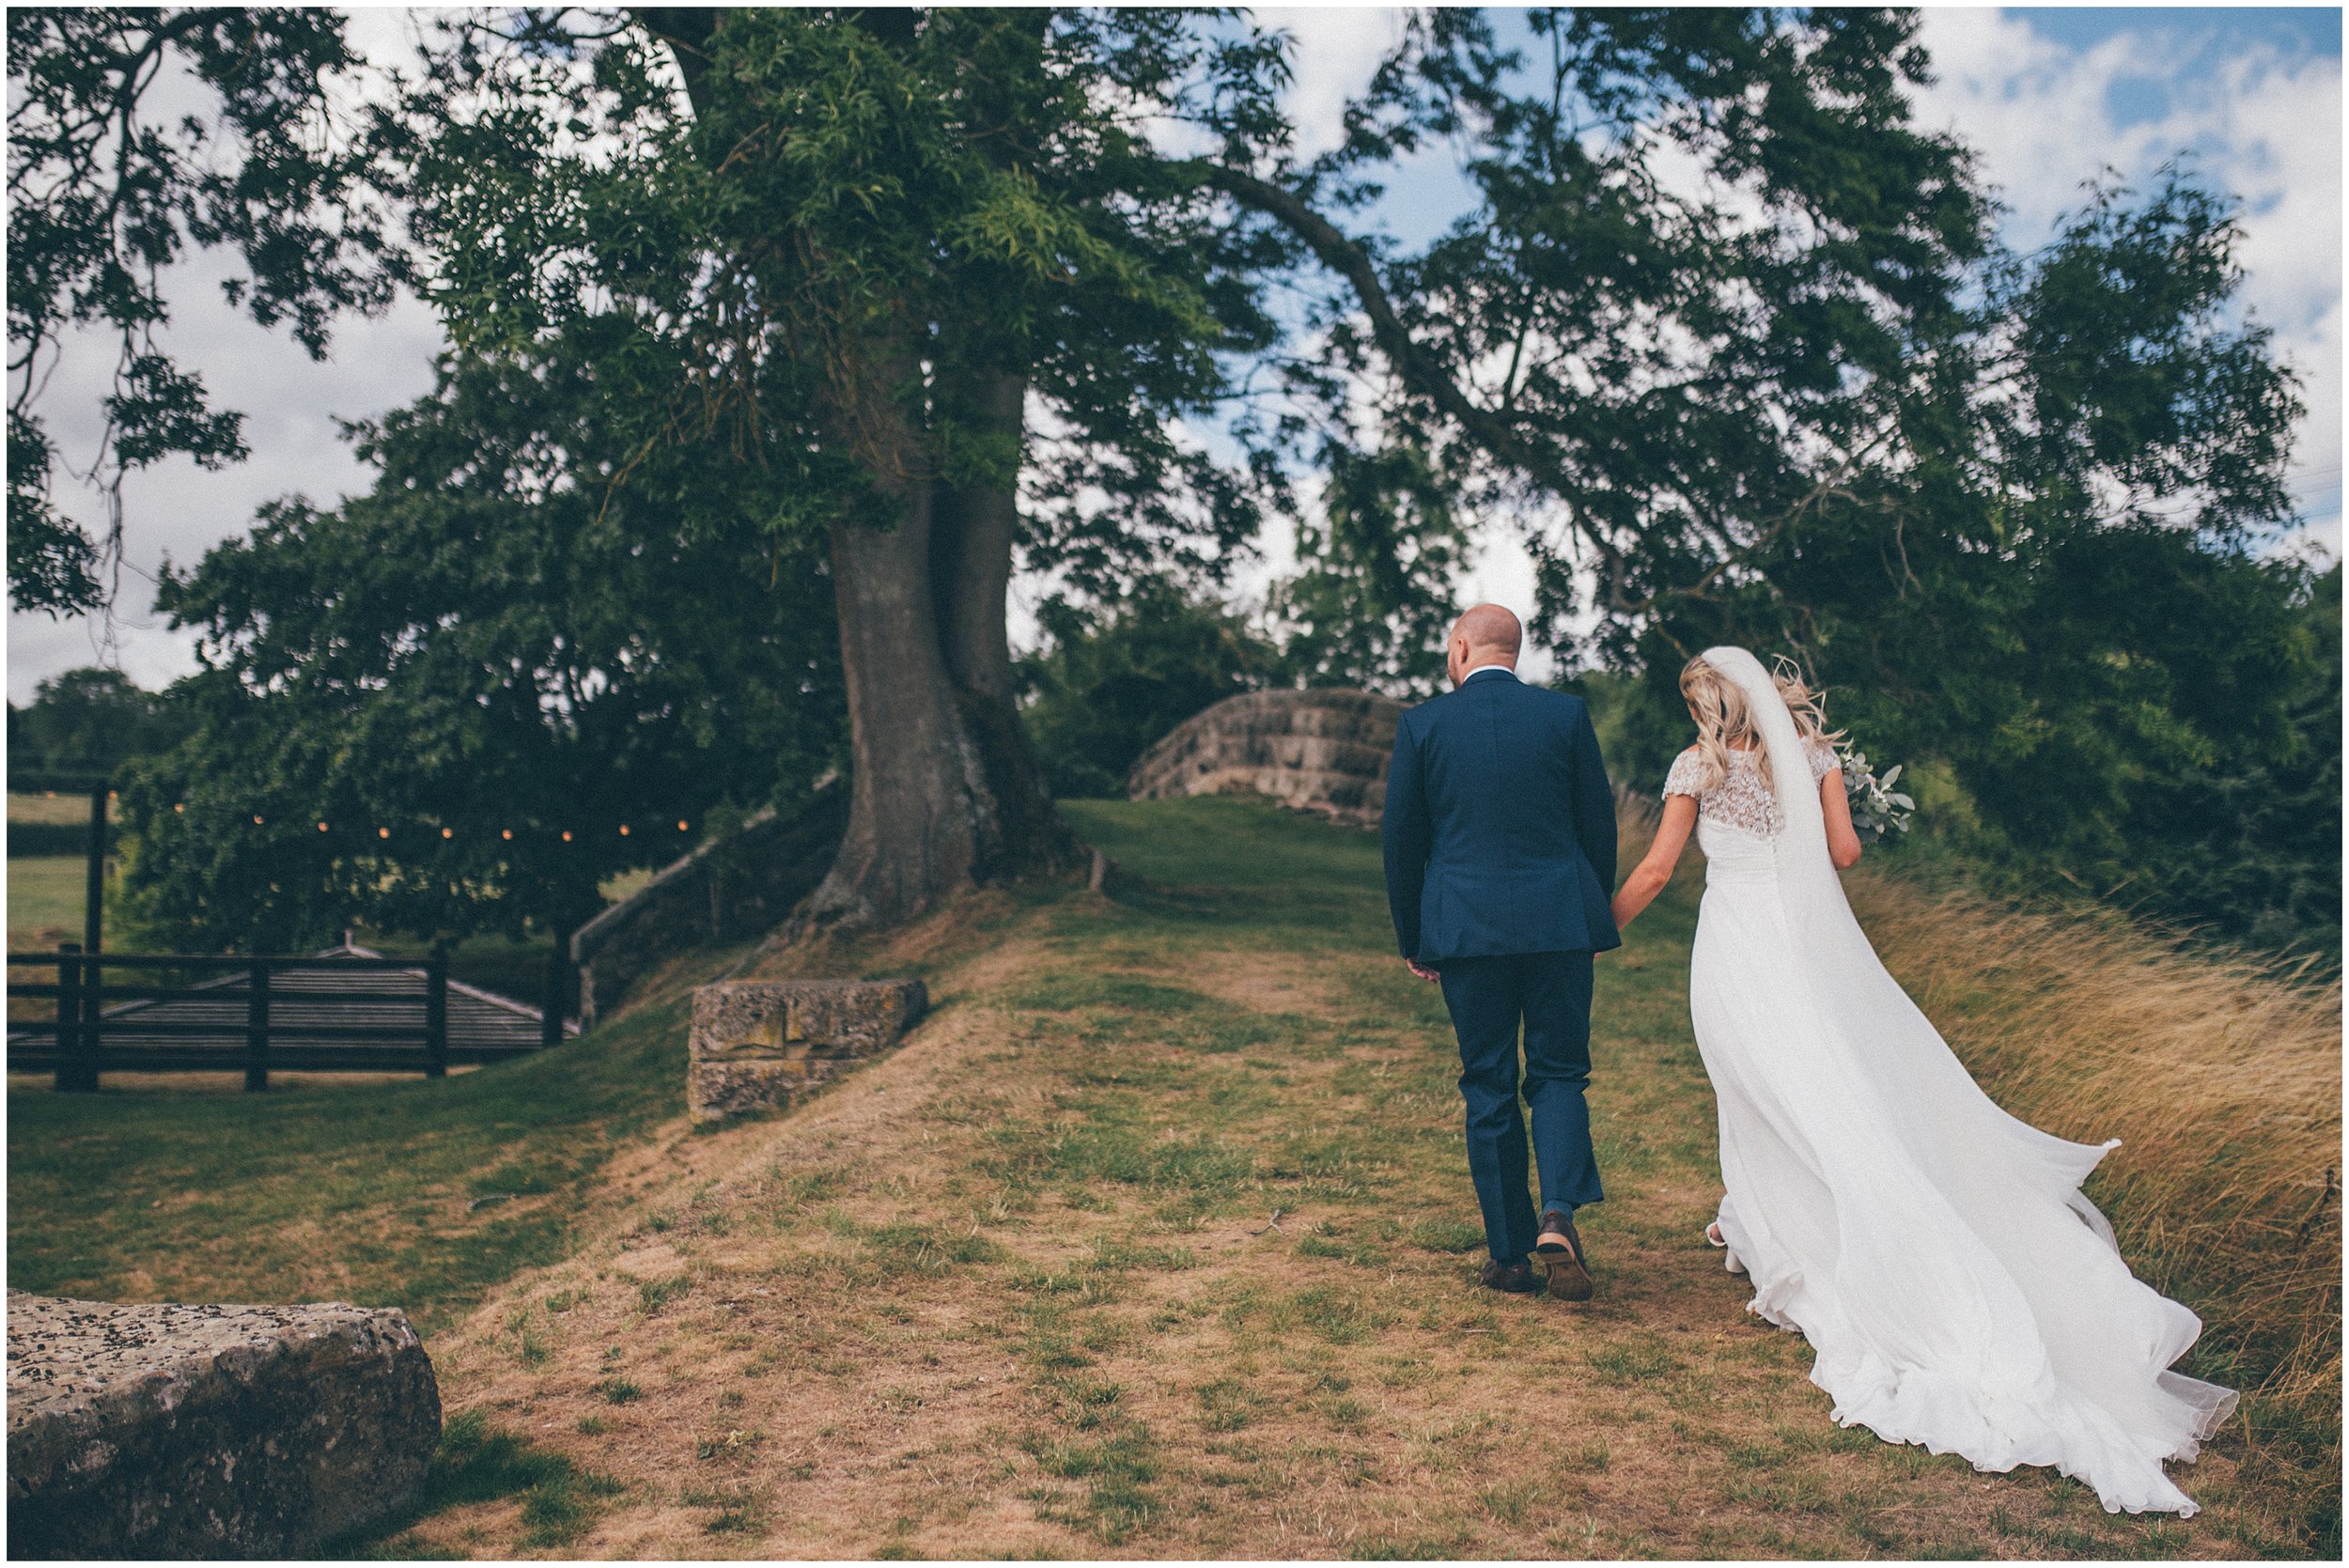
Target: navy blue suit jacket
[1500,824]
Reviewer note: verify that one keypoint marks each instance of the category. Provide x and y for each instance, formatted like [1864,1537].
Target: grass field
[45,900]
[1154,1239]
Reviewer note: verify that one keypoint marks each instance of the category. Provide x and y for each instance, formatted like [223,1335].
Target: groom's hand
[1421,970]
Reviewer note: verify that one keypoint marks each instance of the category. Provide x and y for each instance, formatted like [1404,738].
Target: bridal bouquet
[1876,807]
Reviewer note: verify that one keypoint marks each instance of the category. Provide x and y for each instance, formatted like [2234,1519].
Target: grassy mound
[1155,1240]
[412,1193]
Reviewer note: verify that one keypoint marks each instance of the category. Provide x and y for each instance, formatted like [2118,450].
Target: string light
[626,829]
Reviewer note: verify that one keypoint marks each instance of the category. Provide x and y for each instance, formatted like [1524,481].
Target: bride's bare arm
[1655,869]
[1843,839]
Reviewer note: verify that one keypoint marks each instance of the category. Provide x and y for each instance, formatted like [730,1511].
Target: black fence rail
[152,1013]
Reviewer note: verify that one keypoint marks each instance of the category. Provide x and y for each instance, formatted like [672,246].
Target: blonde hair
[1720,706]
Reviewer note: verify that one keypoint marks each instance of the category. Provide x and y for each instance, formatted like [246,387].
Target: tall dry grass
[2222,1077]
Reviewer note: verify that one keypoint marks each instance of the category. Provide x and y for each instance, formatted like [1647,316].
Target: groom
[1500,830]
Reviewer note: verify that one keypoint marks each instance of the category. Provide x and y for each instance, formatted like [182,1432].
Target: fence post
[436,1014]
[94,881]
[557,992]
[70,1019]
[257,1029]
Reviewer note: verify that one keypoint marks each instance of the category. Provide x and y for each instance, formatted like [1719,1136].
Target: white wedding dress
[1959,1290]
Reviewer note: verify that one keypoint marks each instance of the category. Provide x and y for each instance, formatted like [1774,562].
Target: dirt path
[1156,1240]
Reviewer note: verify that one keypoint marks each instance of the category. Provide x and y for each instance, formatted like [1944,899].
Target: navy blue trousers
[1549,994]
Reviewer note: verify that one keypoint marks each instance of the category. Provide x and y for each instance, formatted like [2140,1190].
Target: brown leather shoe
[1569,1268]
[1517,1277]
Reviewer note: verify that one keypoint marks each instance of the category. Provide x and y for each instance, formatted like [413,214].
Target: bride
[1958,1289]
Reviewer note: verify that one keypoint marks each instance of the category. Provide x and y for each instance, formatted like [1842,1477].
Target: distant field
[45,899]
[49,807]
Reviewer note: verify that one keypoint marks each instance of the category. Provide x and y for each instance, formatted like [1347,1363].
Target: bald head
[1486,634]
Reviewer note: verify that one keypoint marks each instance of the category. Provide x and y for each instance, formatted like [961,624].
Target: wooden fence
[152,1013]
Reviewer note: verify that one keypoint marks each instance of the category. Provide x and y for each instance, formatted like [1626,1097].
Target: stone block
[760,1043]
[177,1431]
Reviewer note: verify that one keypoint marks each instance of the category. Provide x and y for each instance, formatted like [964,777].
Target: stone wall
[172,1431]
[1323,751]
[762,1044]
[727,890]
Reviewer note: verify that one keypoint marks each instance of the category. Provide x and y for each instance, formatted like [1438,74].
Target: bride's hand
[1655,869]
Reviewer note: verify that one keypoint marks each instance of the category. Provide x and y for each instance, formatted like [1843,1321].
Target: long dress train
[1959,1290]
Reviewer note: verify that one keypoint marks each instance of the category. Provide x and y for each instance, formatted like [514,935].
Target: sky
[2051,98]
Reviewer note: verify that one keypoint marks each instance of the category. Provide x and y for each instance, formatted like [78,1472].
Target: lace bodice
[1743,800]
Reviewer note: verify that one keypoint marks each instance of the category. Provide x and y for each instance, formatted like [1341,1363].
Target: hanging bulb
[624,830]
[321,827]
[681,826]
[257,821]
[505,833]
[382,832]
[567,835]
[448,832]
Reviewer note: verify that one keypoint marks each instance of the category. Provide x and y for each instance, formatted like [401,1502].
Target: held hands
[1421,970]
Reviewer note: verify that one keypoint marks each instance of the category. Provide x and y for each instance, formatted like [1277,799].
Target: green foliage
[90,238]
[1642,726]
[2237,839]
[2009,508]
[1109,686]
[853,196]
[482,646]
[2250,847]
[1372,604]
[89,721]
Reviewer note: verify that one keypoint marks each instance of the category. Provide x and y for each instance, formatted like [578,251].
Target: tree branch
[1419,370]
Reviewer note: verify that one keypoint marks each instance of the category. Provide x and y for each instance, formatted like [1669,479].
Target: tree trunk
[918,808]
[972,553]
[970,557]
[947,788]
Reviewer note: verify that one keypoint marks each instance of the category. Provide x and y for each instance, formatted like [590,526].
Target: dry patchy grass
[1156,1240]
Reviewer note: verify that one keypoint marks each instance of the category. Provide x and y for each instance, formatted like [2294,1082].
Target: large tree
[1726,331]
[881,240]
[461,700]
[1731,340]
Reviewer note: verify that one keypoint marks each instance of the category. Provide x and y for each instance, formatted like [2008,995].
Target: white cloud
[1333,53]
[2262,126]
